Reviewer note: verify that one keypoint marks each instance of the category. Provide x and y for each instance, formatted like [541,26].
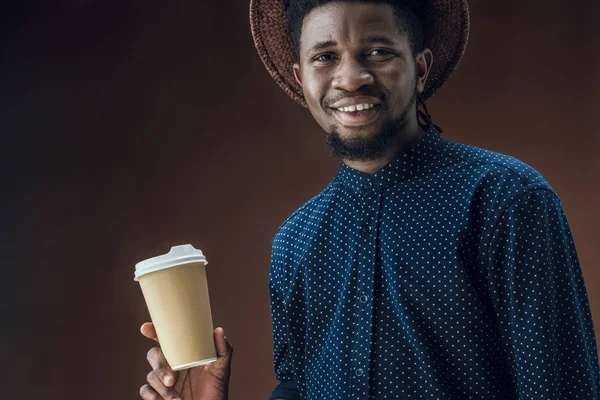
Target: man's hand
[206,382]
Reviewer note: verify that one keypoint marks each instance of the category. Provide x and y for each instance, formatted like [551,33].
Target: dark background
[128,128]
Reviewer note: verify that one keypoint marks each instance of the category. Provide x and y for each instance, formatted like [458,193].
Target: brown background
[129,128]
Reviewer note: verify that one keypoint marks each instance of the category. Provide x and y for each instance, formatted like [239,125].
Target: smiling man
[427,268]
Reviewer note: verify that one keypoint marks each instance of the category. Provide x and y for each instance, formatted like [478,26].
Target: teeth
[358,107]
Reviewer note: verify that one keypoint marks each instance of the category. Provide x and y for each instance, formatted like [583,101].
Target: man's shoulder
[496,179]
[495,165]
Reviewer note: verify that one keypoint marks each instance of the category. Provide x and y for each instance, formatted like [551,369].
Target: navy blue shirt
[450,273]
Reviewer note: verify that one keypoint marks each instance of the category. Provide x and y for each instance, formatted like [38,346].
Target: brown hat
[446,29]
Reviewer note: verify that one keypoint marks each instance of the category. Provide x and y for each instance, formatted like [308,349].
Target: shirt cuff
[287,390]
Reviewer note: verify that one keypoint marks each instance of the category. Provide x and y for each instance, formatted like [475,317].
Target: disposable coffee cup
[176,293]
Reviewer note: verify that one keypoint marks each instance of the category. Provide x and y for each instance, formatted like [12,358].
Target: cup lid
[178,255]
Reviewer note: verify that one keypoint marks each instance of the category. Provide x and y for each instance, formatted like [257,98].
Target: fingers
[161,368]
[162,377]
[147,330]
[159,388]
[147,393]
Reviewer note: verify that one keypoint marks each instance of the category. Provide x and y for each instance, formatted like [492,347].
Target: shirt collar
[406,164]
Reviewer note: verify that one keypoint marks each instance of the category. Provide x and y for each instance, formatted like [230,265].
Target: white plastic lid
[183,254]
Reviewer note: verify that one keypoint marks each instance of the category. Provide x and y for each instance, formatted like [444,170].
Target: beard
[371,148]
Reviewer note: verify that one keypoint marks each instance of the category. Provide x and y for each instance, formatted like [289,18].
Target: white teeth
[358,107]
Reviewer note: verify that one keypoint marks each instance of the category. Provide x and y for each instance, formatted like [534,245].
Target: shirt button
[364,298]
[360,372]
[368,185]
[367,229]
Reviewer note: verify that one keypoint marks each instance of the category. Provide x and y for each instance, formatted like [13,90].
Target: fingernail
[168,379]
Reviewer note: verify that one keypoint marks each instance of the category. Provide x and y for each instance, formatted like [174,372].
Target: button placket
[370,209]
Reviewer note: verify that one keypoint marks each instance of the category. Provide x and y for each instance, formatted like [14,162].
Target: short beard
[369,149]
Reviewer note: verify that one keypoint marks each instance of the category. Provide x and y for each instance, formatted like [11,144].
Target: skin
[389,72]
[206,382]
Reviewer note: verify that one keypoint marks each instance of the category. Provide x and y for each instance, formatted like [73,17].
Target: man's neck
[369,167]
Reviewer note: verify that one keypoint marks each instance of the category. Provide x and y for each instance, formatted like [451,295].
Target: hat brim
[446,29]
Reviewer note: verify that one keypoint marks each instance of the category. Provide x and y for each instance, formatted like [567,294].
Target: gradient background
[129,128]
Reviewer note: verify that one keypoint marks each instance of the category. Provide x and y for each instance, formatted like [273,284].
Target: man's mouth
[357,116]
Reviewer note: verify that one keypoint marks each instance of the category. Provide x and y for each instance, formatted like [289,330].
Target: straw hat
[446,28]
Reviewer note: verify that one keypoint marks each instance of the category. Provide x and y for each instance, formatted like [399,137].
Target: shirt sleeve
[540,300]
[287,389]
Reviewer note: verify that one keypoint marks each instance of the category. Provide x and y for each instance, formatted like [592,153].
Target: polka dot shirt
[450,273]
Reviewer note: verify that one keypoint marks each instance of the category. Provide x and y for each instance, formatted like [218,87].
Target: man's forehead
[323,23]
[332,14]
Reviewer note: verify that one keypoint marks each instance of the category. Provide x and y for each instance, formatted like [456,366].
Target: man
[427,269]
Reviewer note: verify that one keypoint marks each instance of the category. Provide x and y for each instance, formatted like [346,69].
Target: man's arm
[287,389]
[540,300]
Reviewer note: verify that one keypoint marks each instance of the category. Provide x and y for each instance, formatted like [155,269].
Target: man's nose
[351,74]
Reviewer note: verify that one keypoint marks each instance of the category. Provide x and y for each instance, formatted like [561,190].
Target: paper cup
[176,293]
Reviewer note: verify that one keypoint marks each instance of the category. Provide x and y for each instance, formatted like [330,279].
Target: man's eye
[319,57]
[381,52]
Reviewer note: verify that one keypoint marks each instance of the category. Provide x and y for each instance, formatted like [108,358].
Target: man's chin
[357,142]
[357,134]
[356,147]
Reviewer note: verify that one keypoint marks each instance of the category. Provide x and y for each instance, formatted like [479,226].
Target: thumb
[147,329]
[224,349]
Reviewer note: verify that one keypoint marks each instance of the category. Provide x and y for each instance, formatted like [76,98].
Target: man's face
[354,53]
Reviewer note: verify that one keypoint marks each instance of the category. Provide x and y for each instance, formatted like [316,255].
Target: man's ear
[423,63]
[297,73]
